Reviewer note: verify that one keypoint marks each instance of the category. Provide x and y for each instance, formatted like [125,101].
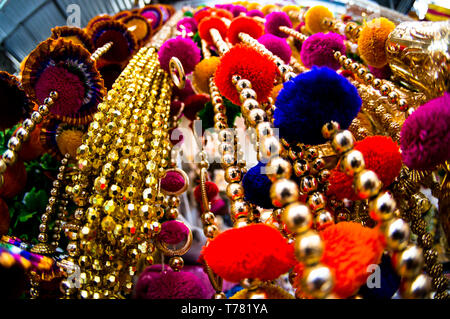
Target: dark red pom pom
[245,25]
[193,104]
[250,64]
[258,251]
[211,191]
[212,23]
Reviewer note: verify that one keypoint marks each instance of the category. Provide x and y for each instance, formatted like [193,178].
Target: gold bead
[318,281]
[352,163]
[308,184]
[243,84]
[14,144]
[10,157]
[397,234]
[297,217]
[208,218]
[316,201]
[418,288]
[239,208]
[343,141]
[264,129]
[235,191]
[36,117]
[172,213]
[408,262]
[176,263]
[283,192]
[22,134]
[367,184]
[211,231]
[383,206]
[256,116]
[269,147]
[43,110]
[108,224]
[233,174]
[278,168]
[323,219]
[301,167]
[28,125]
[309,248]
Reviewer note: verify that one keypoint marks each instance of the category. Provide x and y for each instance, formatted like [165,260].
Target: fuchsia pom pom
[318,49]
[188,23]
[237,9]
[425,135]
[173,232]
[184,49]
[173,182]
[255,13]
[154,284]
[277,46]
[274,21]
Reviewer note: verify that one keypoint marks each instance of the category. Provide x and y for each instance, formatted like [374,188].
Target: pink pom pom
[274,21]
[184,49]
[425,135]
[319,50]
[255,13]
[188,23]
[173,182]
[173,232]
[277,46]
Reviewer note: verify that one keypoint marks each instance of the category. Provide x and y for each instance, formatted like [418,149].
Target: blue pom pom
[257,187]
[312,99]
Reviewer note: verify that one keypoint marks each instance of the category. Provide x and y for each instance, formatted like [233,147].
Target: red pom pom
[202,14]
[246,25]
[193,104]
[15,179]
[381,155]
[211,191]
[249,64]
[349,248]
[4,218]
[212,23]
[258,251]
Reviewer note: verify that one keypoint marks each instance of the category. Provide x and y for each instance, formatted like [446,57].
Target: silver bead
[54,95]
[383,206]
[397,234]
[278,168]
[283,192]
[309,248]
[14,144]
[297,217]
[352,162]
[28,125]
[419,288]
[318,281]
[22,134]
[409,262]
[227,159]
[10,157]
[226,135]
[343,141]
[367,184]
[43,109]
[36,117]
[269,147]
[329,129]
[257,116]
[249,105]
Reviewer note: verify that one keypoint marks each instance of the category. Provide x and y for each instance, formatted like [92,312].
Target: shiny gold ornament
[278,168]
[318,281]
[283,192]
[309,248]
[367,184]
[397,234]
[297,217]
[409,262]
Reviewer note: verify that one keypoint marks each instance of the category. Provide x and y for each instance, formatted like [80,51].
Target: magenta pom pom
[319,50]
[277,46]
[274,21]
[219,207]
[381,73]
[184,49]
[237,9]
[255,13]
[173,182]
[425,135]
[169,284]
[173,232]
[188,23]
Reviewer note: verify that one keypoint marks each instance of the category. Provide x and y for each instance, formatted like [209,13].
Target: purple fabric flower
[184,49]
[425,135]
[274,21]
[319,50]
[277,46]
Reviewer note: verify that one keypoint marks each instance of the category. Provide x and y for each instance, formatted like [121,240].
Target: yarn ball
[4,218]
[203,72]
[182,48]
[212,23]
[318,49]
[154,284]
[388,284]
[173,232]
[270,292]
[314,17]
[259,251]
[15,103]
[69,141]
[194,104]
[349,248]
[278,46]
[184,93]
[255,13]
[312,99]
[381,73]
[32,148]
[211,191]
[257,187]
[172,182]
[425,135]
[15,179]
[250,64]
[274,21]
[381,155]
[372,40]
[69,86]
[188,23]
[245,25]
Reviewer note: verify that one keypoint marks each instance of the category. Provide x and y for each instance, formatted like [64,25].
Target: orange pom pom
[212,23]
[246,25]
[314,17]
[203,72]
[69,141]
[15,179]
[349,248]
[32,148]
[372,40]
[276,89]
[4,218]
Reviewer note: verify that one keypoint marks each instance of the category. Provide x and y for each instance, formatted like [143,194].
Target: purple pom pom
[319,49]
[277,46]
[173,232]
[154,284]
[184,49]
[237,9]
[189,24]
[274,21]
[255,13]
[224,6]
[425,135]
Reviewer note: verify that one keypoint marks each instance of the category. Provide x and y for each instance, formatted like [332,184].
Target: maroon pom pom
[173,232]
[193,104]
[211,191]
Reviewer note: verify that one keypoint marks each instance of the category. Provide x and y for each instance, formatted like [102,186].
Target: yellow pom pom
[293,12]
[69,141]
[372,40]
[276,89]
[314,17]
[202,72]
[268,291]
[253,6]
[269,8]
